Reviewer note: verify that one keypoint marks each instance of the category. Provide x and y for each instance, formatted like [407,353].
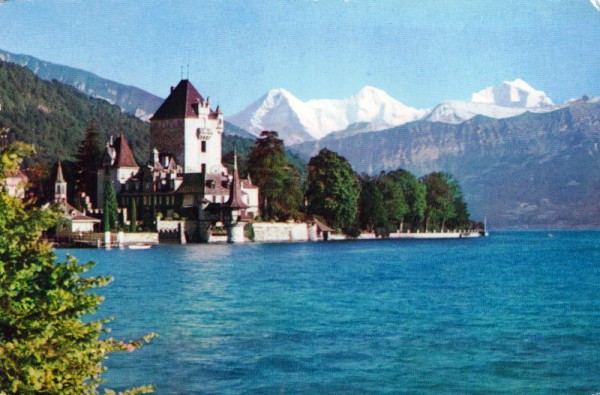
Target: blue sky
[420,51]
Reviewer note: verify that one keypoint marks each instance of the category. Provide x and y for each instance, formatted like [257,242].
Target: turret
[235,202]
[60,186]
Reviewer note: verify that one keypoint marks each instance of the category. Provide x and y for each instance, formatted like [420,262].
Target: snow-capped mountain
[505,100]
[517,93]
[298,121]
[459,111]
[277,110]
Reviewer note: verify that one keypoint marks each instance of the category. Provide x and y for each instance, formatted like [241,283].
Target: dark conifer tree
[88,158]
[111,208]
[371,210]
[133,216]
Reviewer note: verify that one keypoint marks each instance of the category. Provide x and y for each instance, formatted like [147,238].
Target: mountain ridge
[532,170]
[131,99]
[299,121]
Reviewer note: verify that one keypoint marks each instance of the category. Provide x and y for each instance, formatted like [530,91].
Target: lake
[518,312]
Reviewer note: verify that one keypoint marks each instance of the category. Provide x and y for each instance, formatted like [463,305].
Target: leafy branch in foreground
[45,344]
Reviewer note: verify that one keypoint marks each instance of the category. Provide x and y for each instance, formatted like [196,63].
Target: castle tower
[186,127]
[60,186]
[118,166]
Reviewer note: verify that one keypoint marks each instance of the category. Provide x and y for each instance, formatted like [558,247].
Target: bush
[353,232]
[45,345]
[249,231]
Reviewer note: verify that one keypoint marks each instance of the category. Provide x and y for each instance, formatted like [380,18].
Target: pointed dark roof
[180,103]
[59,174]
[193,183]
[125,157]
[235,201]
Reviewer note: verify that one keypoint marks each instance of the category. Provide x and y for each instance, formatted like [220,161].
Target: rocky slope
[533,170]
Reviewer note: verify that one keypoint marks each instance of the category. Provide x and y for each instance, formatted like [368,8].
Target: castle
[184,175]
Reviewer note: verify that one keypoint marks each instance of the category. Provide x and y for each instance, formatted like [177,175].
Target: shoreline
[332,237]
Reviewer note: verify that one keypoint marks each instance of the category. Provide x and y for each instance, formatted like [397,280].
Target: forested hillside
[54,116]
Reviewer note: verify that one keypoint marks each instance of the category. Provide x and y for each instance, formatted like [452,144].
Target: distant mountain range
[372,109]
[522,160]
[132,100]
[532,170]
[54,116]
[298,121]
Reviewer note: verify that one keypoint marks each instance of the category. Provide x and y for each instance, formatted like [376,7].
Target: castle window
[203,146]
[203,168]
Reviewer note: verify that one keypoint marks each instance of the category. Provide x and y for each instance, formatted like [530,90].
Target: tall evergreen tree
[460,218]
[132,215]
[88,158]
[150,215]
[111,208]
[279,182]
[332,189]
[49,342]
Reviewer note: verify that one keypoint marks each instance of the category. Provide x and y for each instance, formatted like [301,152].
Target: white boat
[139,246]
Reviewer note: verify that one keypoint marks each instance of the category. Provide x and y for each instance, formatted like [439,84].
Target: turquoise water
[512,313]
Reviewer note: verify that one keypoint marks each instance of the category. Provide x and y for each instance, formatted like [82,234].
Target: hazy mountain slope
[535,170]
[132,100]
[232,130]
[54,116]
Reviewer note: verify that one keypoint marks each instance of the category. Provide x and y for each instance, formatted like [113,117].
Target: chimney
[155,156]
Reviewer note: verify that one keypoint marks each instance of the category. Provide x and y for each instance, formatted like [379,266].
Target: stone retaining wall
[140,237]
[280,231]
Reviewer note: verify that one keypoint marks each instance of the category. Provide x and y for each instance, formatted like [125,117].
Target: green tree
[371,209]
[413,193]
[150,215]
[439,198]
[332,189]
[111,208]
[279,182]
[460,218]
[46,347]
[89,155]
[395,203]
